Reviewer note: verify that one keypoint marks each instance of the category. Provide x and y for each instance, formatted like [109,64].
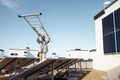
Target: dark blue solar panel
[111,33]
[109,43]
[108,33]
[118,40]
[117,19]
[108,24]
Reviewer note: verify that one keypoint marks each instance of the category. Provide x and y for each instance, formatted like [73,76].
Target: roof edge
[103,11]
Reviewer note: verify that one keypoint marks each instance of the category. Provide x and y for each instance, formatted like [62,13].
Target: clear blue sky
[69,23]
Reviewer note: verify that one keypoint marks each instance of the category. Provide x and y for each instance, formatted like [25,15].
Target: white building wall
[1,53]
[101,61]
[78,54]
[23,53]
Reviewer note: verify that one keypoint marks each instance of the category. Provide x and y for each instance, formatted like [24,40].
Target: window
[14,54]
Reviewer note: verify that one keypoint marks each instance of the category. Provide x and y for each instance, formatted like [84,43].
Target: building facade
[107,24]
[83,54]
[23,53]
[1,53]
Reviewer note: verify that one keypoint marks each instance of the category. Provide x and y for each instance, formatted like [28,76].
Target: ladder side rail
[32,26]
[44,30]
[42,26]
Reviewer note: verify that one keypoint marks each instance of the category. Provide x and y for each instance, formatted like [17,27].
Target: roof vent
[106,4]
[77,49]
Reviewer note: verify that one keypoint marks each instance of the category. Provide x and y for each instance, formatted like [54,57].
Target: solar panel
[108,34]
[108,25]
[45,66]
[117,19]
[8,64]
[111,32]
[117,25]
[118,41]
[109,43]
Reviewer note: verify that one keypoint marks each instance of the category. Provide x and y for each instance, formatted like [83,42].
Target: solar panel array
[45,67]
[10,64]
[111,33]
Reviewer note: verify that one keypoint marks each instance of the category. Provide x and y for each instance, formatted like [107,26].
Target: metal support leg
[53,71]
[81,65]
[25,78]
[86,64]
[75,67]
[68,70]
[15,66]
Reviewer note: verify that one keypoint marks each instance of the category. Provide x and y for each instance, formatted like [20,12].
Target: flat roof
[22,49]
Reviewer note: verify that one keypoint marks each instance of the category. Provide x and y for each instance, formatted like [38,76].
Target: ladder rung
[35,24]
[32,20]
[30,17]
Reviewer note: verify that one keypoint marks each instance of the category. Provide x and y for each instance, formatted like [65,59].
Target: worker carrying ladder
[43,38]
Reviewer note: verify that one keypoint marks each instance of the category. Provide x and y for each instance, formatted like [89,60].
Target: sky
[70,24]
